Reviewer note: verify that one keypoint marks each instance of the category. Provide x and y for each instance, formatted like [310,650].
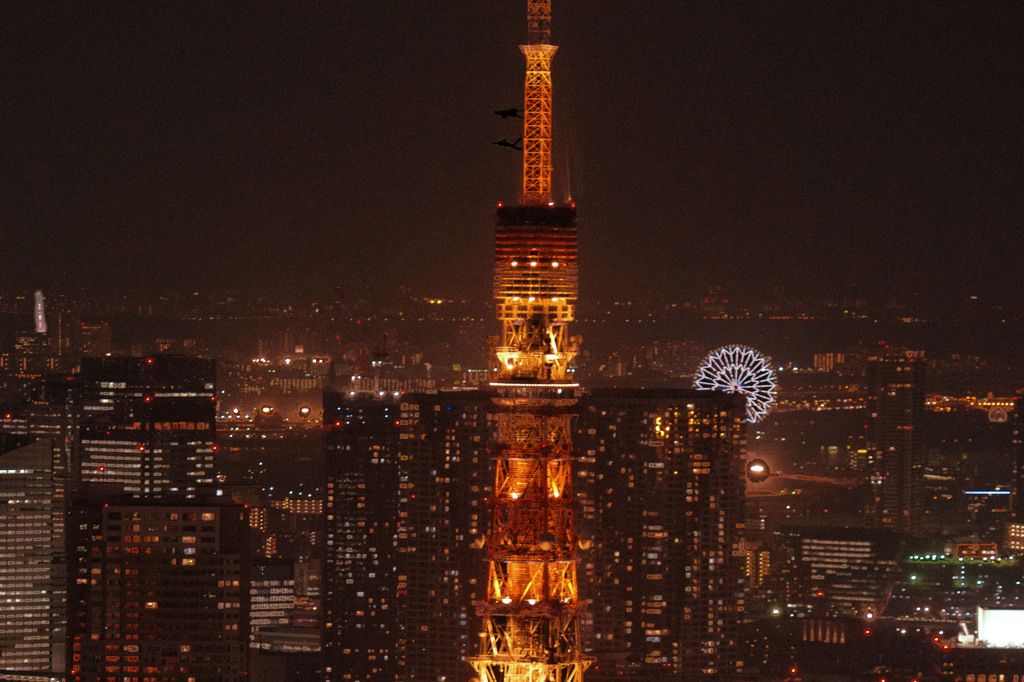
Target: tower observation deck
[531,609]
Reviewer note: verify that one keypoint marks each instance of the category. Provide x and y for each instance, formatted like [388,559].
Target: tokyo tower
[531,610]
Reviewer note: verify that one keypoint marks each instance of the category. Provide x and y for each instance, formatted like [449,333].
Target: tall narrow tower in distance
[531,608]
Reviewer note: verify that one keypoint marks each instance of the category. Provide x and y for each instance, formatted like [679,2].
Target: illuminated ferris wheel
[739,369]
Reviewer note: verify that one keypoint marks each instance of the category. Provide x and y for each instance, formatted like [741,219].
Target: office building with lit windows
[284,626]
[150,427]
[1013,539]
[157,563]
[271,601]
[158,592]
[660,483]
[407,477]
[360,515]
[31,576]
[840,571]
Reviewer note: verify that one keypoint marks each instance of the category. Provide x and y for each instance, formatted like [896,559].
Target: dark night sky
[774,148]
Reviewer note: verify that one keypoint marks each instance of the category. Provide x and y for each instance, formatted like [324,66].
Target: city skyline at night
[310,370]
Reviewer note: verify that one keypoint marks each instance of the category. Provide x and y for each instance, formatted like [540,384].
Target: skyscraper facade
[406,488]
[896,409]
[840,571]
[157,562]
[661,488]
[158,592]
[1014,534]
[360,513]
[31,574]
[151,425]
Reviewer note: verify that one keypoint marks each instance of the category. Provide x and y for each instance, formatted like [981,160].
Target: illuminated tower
[531,610]
[40,313]
[537,104]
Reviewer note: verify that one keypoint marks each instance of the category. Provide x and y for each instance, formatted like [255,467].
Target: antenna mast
[537,104]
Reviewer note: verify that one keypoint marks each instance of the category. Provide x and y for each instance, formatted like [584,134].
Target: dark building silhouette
[896,409]
[661,485]
[406,479]
[158,592]
[1018,464]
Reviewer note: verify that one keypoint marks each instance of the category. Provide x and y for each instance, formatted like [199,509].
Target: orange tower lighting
[531,610]
[537,105]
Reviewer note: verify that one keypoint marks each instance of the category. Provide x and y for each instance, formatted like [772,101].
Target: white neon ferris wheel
[739,369]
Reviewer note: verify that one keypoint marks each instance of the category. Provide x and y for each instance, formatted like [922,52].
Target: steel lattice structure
[531,610]
[537,105]
[739,369]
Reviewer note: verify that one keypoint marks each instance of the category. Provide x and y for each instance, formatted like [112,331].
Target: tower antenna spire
[537,104]
[40,313]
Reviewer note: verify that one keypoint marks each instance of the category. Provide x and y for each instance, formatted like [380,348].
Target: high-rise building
[1013,539]
[52,411]
[284,634]
[405,502]
[158,592]
[896,408]
[661,487]
[35,352]
[290,528]
[361,506]
[93,338]
[48,418]
[31,576]
[151,430]
[272,600]
[32,356]
[443,515]
[157,563]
